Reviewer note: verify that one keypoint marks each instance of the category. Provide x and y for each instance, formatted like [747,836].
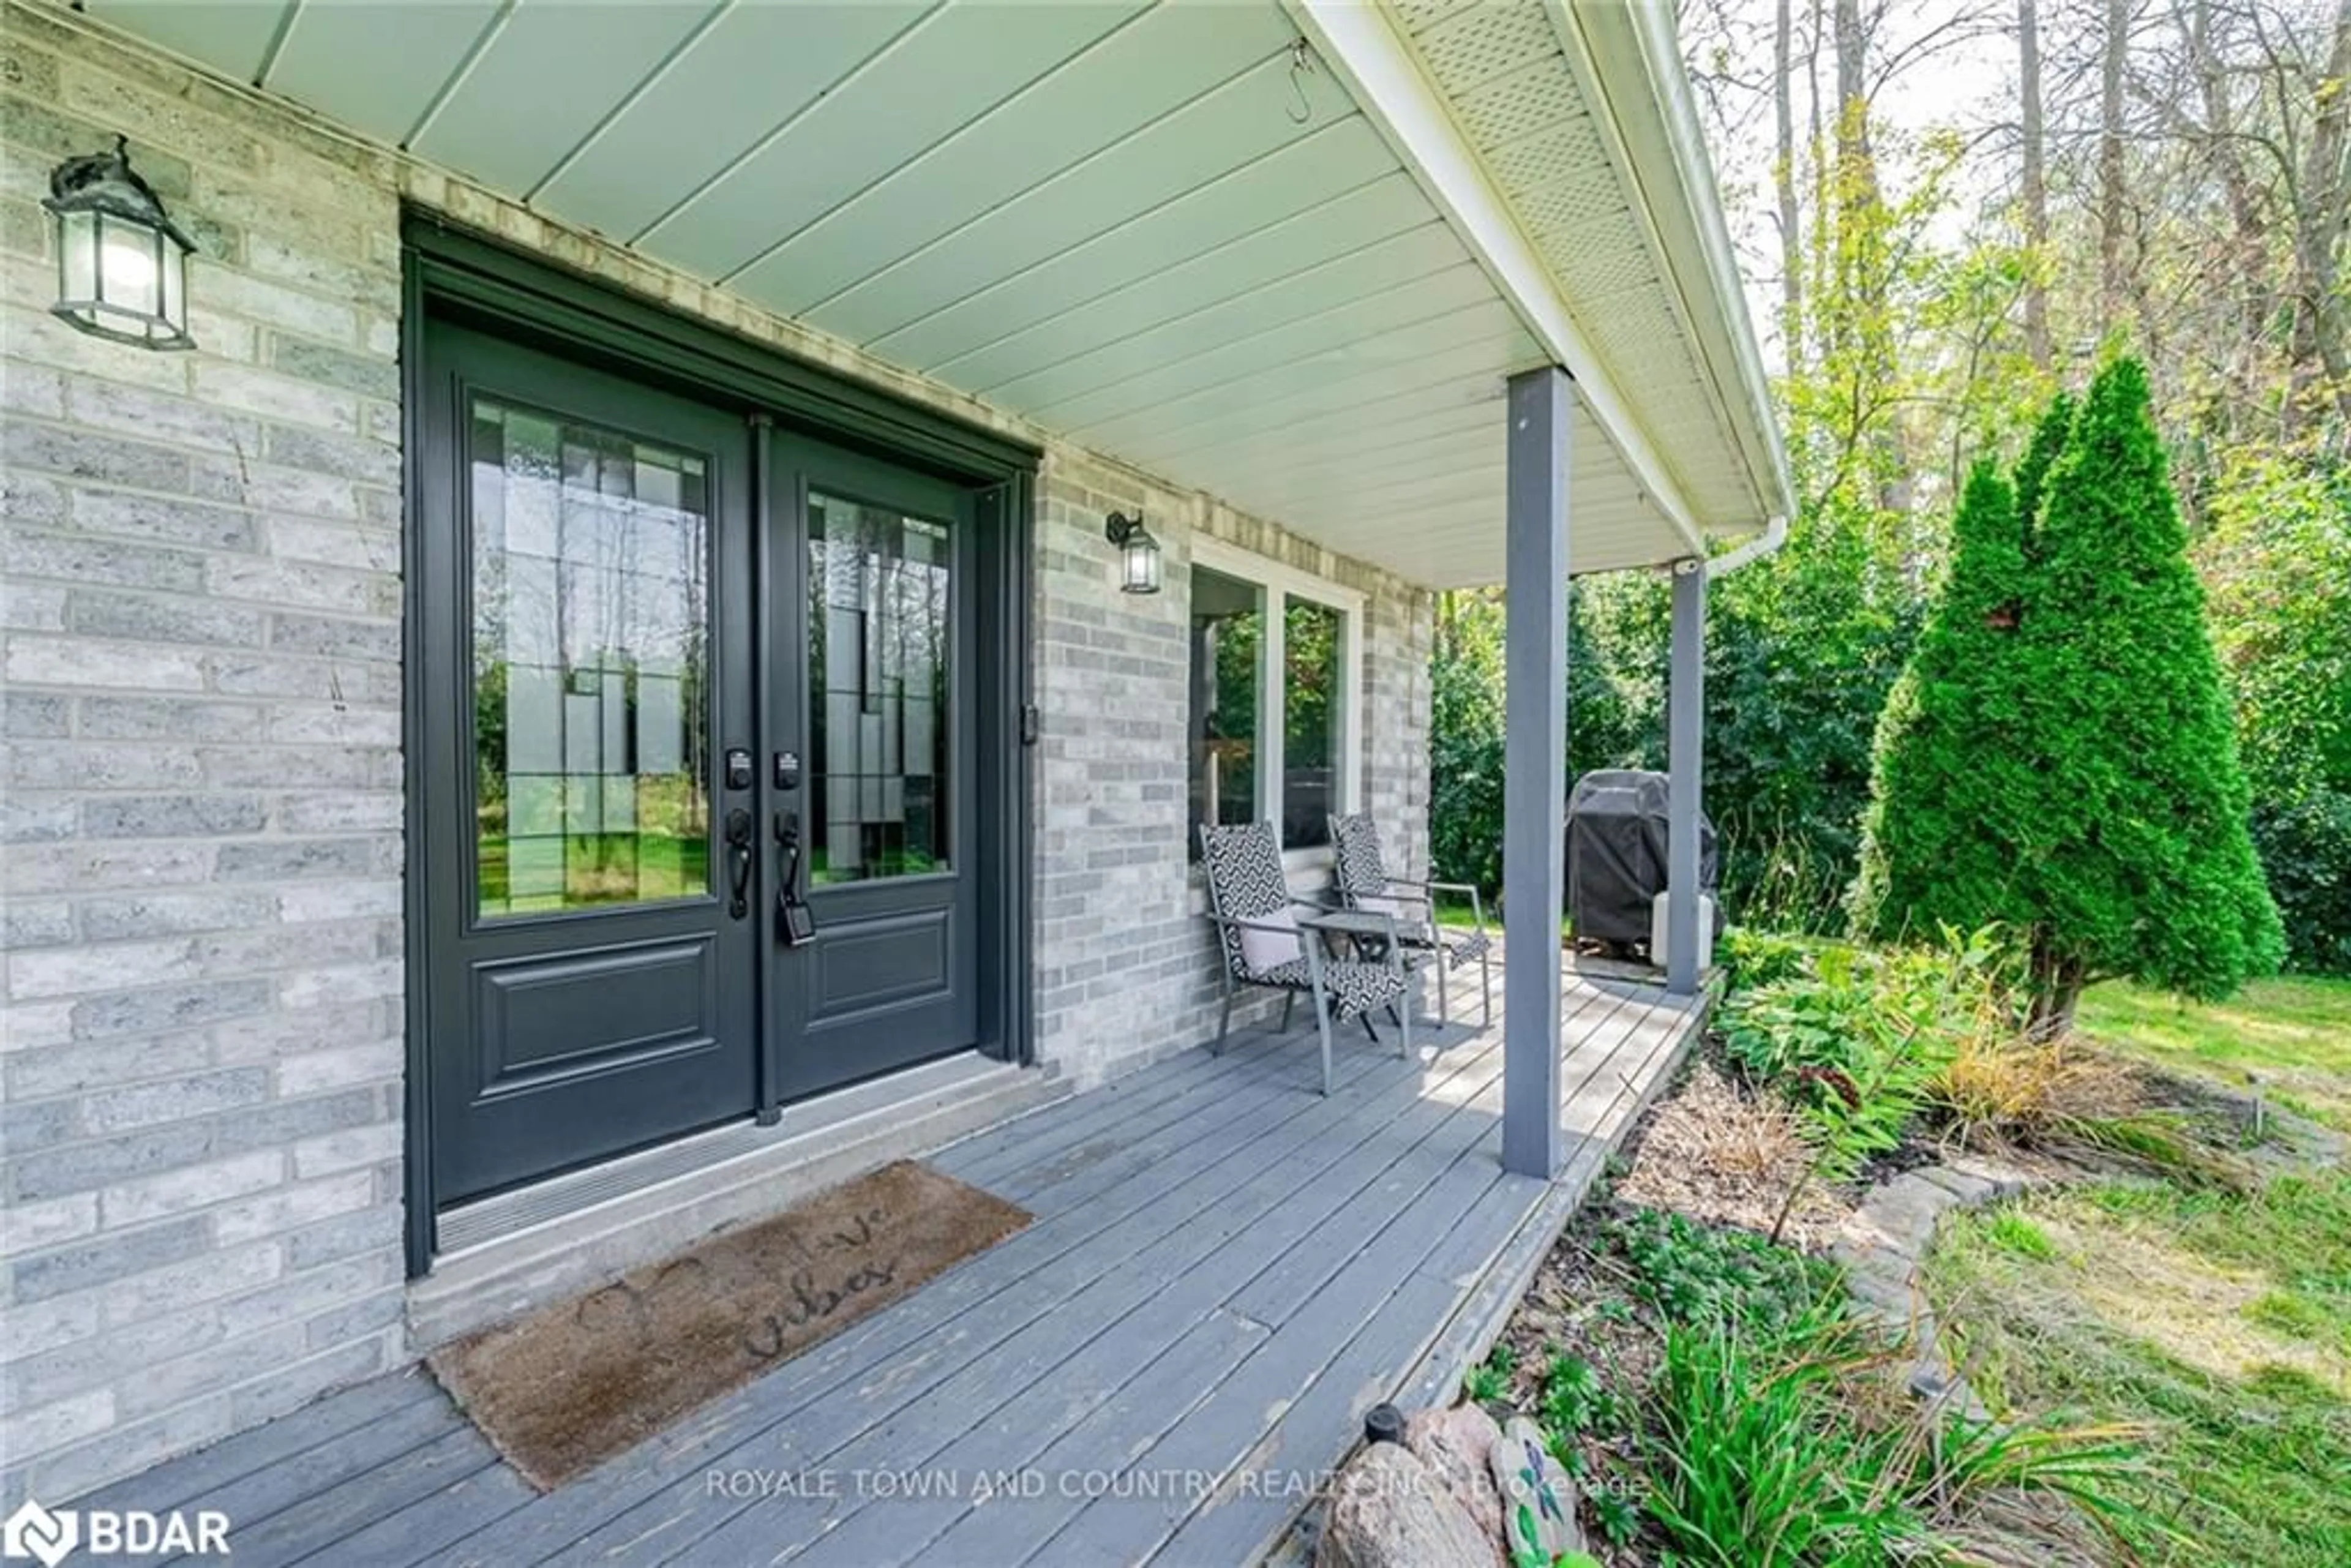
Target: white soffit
[1133,225]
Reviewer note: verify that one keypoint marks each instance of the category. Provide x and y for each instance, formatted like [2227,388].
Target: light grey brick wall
[199,1095]
[1126,968]
[200,698]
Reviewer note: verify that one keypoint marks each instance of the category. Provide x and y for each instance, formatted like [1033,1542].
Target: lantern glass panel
[174,278]
[77,257]
[1142,564]
[127,264]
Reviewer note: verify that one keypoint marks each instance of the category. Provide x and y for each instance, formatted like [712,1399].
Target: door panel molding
[839,996]
[628,983]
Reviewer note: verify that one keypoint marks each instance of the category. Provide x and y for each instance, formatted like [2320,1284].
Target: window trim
[1280,582]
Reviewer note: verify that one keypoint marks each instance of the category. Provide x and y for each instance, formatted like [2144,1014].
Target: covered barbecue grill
[1616,832]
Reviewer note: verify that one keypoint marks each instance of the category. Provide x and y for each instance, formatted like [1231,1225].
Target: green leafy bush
[2140,861]
[1490,1379]
[2276,561]
[1773,1455]
[1750,957]
[2306,849]
[1693,1273]
[1954,773]
[1859,1038]
[2060,754]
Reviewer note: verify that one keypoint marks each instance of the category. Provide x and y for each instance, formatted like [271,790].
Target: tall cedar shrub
[2133,848]
[2032,470]
[1951,774]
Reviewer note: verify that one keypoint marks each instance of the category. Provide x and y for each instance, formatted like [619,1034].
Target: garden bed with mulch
[1722,1389]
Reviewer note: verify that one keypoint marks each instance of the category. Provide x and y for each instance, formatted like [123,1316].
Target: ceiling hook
[1301,65]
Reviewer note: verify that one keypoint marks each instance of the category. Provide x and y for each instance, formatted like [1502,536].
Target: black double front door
[699,702]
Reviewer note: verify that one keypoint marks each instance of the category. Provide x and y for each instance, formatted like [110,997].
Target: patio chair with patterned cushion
[1361,877]
[1268,939]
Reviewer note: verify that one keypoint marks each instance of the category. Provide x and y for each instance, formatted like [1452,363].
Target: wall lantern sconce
[122,261]
[1138,553]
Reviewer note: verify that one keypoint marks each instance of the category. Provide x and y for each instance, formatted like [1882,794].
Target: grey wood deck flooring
[1226,1271]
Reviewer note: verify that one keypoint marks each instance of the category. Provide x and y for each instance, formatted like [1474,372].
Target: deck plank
[1246,1424]
[1224,1271]
[209,1472]
[1307,1238]
[253,1499]
[927,1333]
[1123,1316]
[320,1522]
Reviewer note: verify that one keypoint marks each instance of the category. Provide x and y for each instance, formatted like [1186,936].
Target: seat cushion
[1263,951]
[1355,986]
[1350,985]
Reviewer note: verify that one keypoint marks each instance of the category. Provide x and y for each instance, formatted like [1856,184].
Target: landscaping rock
[1390,1509]
[1538,1497]
[1900,1215]
[2005,1181]
[1458,1443]
[1966,1186]
[1886,1242]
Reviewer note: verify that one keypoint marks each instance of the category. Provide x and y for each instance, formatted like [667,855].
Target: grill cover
[1616,829]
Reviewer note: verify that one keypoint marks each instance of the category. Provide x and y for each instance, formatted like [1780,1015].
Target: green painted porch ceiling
[1132,225]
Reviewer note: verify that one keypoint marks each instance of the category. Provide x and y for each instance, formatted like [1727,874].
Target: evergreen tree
[1952,772]
[2033,471]
[2135,846]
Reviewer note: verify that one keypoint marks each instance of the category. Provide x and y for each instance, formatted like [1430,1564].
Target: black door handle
[794,923]
[739,850]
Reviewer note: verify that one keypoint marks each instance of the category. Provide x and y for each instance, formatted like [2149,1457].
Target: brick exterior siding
[201,1096]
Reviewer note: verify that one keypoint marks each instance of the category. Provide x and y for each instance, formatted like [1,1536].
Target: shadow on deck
[1225,1271]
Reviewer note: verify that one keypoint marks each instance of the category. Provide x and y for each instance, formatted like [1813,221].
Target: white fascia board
[1359,43]
[1629,62]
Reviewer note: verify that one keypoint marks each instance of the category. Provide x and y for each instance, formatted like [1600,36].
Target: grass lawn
[1453,909]
[2296,1033]
[2219,1320]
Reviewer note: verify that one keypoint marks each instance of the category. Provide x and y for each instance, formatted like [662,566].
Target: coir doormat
[566,1388]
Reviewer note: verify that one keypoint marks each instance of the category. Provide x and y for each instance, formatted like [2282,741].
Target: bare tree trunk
[2250,258]
[1821,177]
[1861,259]
[2322,218]
[1852,100]
[2034,155]
[1783,177]
[2112,287]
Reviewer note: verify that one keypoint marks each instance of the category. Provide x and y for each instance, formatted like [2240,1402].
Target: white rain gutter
[1632,62]
[1774,534]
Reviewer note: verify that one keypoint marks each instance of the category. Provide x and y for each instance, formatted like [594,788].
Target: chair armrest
[1235,920]
[1387,890]
[1477,900]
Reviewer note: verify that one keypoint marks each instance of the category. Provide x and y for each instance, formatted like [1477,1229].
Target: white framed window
[1277,683]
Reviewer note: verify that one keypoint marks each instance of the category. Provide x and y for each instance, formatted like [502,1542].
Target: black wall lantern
[122,261]
[1138,566]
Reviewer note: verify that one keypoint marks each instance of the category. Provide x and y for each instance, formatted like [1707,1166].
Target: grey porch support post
[1534,790]
[1686,744]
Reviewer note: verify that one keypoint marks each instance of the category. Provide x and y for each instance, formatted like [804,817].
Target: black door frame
[454,274]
